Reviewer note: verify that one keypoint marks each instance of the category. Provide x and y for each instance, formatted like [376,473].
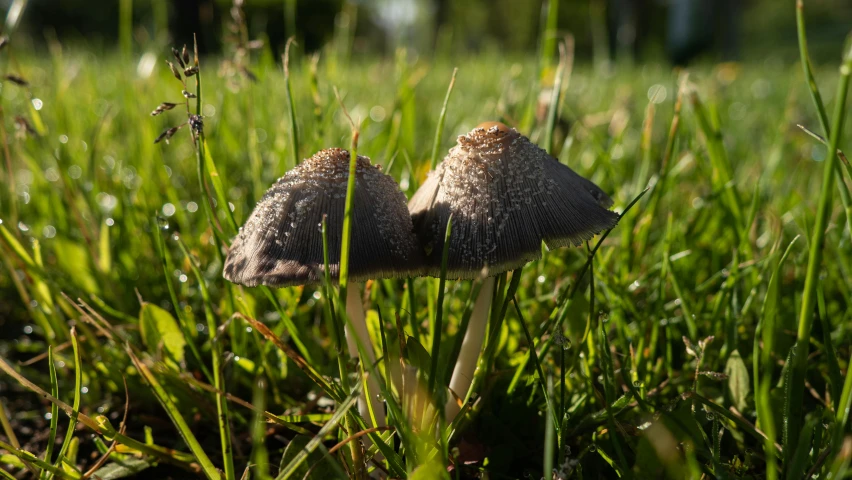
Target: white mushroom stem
[357,326]
[470,349]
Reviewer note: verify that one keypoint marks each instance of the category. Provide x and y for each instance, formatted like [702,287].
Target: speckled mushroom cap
[506,196]
[281,243]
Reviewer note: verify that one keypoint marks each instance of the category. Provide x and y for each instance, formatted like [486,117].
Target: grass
[698,338]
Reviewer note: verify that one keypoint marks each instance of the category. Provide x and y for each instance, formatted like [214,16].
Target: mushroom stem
[357,326]
[470,349]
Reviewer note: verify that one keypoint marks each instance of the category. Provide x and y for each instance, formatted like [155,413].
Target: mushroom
[281,244]
[506,195]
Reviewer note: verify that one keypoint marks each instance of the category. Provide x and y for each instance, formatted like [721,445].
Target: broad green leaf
[73,259]
[158,326]
[122,469]
[738,381]
[417,355]
[317,462]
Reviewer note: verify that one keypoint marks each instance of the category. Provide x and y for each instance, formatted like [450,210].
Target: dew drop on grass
[28,329]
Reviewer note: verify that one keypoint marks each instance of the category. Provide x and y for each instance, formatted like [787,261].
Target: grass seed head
[177,56]
[17,80]
[174,70]
[167,134]
[162,108]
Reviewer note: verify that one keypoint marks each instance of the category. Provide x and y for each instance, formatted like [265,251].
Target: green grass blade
[315,442]
[54,410]
[438,326]
[78,385]
[439,130]
[222,409]
[210,471]
[292,130]
[800,360]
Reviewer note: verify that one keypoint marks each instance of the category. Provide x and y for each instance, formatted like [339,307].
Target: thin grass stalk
[315,442]
[817,243]
[546,390]
[216,354]
[345,245]
[10,173]
[330,311]
[439,130]
[816,97]
[182,321]
[78,384]
[548,36]
[28,457]
[439,312]
[549,428]
[101,426]
[561,303]
[291,106]
[412,313]
[346,235]
[54,410]
[259,455]
[555,97]
[835,382]
[174,414]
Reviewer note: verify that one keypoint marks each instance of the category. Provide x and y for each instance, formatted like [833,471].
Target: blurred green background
[679,31]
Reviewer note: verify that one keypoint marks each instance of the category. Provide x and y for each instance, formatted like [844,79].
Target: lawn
[707,335]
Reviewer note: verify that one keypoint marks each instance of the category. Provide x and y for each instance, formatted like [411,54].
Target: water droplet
[192,207]
[168,209]
[28,329]
[593,448]
[37,103]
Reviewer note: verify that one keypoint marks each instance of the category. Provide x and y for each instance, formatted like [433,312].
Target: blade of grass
[210,471]
[817,243]
[438,326]
[30,458]
[555,97]
[101,425]
[439,130]
[816,97]
[259,455]
[292,131]
[835,383]
[315,442]
[546,390]
[78,385]
[54,409]
[550,427]
[222,413]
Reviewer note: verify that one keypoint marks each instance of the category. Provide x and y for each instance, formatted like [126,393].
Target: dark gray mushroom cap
[281,243]
[506,196]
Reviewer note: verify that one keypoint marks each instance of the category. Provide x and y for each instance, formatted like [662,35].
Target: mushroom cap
[281,243]
[506,195]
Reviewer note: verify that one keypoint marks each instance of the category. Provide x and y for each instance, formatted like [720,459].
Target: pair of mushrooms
[505,194]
